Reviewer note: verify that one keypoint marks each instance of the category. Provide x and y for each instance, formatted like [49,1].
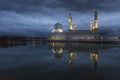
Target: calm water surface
[60,61]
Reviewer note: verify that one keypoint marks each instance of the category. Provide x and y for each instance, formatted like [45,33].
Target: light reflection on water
[56,61]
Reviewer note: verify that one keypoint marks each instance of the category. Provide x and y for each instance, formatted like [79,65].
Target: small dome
[57,26]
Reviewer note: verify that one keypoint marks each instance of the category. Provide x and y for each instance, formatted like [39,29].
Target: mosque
[91,35]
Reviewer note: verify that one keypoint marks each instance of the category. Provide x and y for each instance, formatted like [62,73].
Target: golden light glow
[57,44]
[74,26]
[75,55]
[57,38]
[94,56]
[70,57]
[91,25]
[70,22]
[95,25]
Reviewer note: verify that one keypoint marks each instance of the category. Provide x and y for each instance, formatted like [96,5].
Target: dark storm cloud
[31,17]
[36,5]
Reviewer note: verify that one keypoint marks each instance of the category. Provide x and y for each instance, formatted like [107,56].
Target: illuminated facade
[94,34]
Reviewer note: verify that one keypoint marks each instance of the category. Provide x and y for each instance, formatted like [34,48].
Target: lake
[60,61]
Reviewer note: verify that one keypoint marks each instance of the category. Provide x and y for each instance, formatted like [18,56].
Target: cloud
[33,17]
[14,23]
[79,5]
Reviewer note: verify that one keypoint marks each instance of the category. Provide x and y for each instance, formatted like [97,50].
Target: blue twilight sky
[37,17]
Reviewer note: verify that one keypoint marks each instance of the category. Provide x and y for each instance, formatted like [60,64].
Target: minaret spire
[91,25]
[74,26]
[70,22]
[95,20]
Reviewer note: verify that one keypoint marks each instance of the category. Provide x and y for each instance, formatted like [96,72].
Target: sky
[37,17]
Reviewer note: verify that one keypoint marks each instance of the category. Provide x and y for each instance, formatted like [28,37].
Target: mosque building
[93,34]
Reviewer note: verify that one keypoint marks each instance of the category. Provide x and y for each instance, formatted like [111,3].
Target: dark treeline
[5,38]
[8,41]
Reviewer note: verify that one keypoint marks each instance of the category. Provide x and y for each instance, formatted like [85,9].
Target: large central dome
[57,28]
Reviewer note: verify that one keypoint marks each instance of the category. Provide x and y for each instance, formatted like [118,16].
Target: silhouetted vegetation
[6,41]
[5,38]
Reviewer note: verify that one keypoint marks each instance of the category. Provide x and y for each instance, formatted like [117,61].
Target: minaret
[95,20]
[91,25]
[70,22]
[74,26]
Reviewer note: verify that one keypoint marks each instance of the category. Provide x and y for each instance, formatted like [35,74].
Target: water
[60,61]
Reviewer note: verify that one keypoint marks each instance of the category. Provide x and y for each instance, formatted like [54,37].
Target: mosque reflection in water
[58,49]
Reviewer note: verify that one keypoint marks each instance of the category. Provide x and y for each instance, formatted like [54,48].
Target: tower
[70,22]
[91,25]
[95,20]
[74,26]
